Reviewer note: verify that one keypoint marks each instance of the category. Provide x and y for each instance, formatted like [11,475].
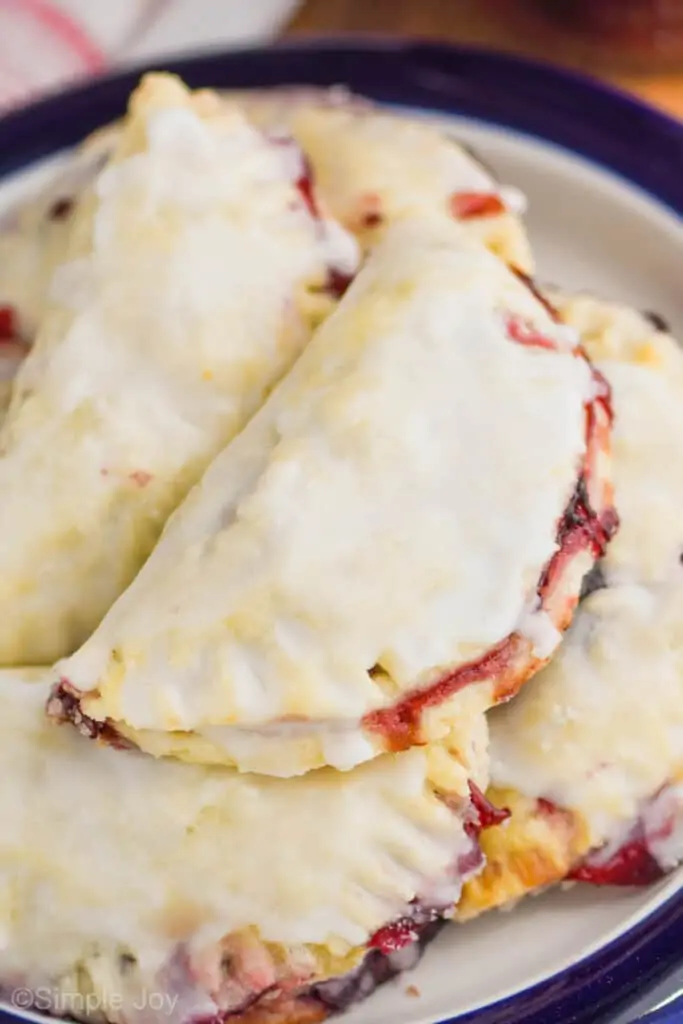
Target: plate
[604,176]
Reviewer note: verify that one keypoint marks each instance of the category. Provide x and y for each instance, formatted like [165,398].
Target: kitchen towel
[45,44]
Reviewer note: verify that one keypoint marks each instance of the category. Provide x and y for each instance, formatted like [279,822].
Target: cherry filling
[468,205]
[64,706]
[401,723]
[305,186]
[631,864]
[404,931]
[524,334]
[581,529]
[483,814]
[337,282]
[9,329]
[630,861]
[479,815]
[393,949]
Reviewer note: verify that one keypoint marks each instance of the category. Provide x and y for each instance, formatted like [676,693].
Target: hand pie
[224,894]
[374,167]
[194,265]
[591,754]
[411,512]
[589,759]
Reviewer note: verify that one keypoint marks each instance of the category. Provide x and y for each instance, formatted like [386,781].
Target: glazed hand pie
[410,513]
[374,167]
[589,759]
[225,894]
[195,265]
[594,748]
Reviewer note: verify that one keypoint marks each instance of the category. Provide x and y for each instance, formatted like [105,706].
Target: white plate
[591,229]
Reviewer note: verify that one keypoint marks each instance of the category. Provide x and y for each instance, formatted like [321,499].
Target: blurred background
[637,44]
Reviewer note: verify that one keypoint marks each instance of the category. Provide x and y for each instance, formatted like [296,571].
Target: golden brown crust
[537,846]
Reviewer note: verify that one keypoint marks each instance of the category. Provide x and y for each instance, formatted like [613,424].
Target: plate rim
[568,108]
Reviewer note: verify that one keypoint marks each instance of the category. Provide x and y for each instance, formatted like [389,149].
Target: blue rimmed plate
[604,175]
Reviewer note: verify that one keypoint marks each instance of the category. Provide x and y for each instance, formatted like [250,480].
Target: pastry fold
[374,167]
[589,758]
[410,513]
[222,893]
[194,269]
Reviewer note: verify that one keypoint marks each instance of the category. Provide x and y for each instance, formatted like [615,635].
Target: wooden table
[495,23]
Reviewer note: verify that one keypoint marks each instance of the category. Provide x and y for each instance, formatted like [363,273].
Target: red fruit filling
[468,205]
[394,936]
[483,813]
[631,864]
[8,324]
[580,529]
[524,334]
[64,706]
[304,184]
[337,282]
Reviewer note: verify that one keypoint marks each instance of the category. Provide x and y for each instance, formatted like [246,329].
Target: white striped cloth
[47,43]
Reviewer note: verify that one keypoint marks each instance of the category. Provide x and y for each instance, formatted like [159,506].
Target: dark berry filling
[404,931]
[337,282]
[64,706]
[593,580]
[483,814]
[339,994]
[631,864]
[61,209]
[9,330]
[304,184]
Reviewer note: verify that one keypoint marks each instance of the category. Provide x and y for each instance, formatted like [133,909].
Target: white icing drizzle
[601,728]
[104,851]
[514,199]
[184,298]
[392,504]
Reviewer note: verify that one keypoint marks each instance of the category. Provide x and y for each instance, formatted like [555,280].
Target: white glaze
[393,504]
